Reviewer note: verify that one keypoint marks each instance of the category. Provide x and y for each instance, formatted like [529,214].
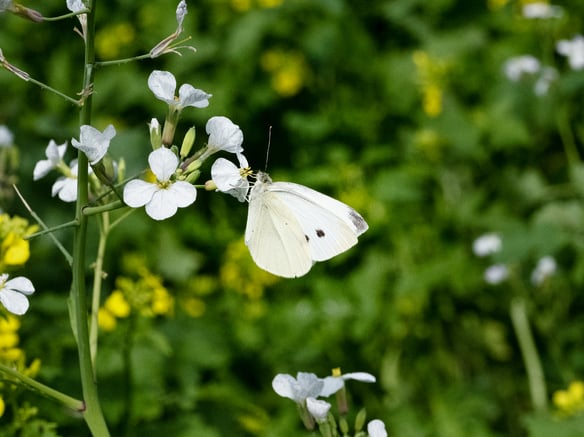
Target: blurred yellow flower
[2,406]
[288,71]
[571,401]
[15,250]
[431,77]
[162,302]
[193,306]
[270,3]
[497,4]
[117,304]
[106,320]
[110,41]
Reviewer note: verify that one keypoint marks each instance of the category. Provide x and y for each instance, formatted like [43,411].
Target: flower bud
[188,142]
[27,13]
[192,177]
[360,419]
[210,185]
[155,135]
[195,165]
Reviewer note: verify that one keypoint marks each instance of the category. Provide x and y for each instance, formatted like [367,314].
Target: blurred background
[410,111]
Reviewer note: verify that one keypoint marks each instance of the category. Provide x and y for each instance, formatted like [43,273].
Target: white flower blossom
[545,268]
[496,274]
[13,293]
[518,66]
[54,154]
[66,186]
[318,409]
[163,85]
[356,376]
[304,386]
[93,142]
[230,179]
[574,50]
[5,5]
[487,244]
[541,10]
[165,196]
[376,428]
[165,46]
[6,137]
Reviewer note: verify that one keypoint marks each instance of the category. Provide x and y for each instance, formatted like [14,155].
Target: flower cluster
[491,244]
[174,171]
[94,144]
[305,390]
[140,292]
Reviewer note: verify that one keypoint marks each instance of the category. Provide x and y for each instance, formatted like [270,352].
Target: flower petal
[13,301]
[138,193]
[359,376]
[318,409]
[163,163]
[163,85]
[184,193]
[284,385]
[191,96]
[41,169]
[332,384]
[162,205]
[376,428]
[224,135]
[21,284]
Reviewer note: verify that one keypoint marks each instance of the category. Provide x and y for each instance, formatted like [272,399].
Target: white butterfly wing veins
[290,226]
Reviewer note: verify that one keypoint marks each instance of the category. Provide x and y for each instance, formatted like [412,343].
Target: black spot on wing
[320,233]
[307,238]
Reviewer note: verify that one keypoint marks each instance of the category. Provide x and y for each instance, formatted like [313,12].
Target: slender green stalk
[97,281]
[92,210]
[533,367]
[567,136]
[93,414]
[64,16]
[53,90]
[71,224]
[68,401]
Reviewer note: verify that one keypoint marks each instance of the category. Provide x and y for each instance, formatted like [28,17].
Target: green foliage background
[409,303]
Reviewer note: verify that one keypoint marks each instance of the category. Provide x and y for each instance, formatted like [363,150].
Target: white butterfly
[290,227]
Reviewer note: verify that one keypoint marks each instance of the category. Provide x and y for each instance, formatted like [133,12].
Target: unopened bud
[121,170]
[192,177]
[210,185]
[195,165]
[188,142]
[360,419]
[155,135]
[27,13]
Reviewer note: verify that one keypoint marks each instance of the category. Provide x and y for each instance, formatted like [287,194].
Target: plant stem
[68,401]
[93,414]
[97,280]
[535,376]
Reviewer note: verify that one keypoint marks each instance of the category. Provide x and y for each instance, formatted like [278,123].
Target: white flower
[13,293]
[163,85]
[230,179]
[165,46]
[516,67]
[496,274]
[93,142]
[54,154]
[376,428]
[66,186]
[545,268]
[487,244]
[541,10]
[574,50]
[224,135]
[6,137]
[318,409]
[165,196]
[304,386]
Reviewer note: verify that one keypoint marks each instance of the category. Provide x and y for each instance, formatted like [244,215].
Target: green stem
[68,401]
[535,375]
[64,16]
[97,281]
[53,90]
[567,136]
[93,414]
[71,224]
[92,210]
[122,61]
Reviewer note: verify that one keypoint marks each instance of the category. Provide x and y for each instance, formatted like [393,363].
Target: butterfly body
[290,227]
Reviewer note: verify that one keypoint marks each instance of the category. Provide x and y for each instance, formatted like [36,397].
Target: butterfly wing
[330,227]
[274,236]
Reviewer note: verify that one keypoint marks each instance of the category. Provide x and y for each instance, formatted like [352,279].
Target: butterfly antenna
[268,149]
